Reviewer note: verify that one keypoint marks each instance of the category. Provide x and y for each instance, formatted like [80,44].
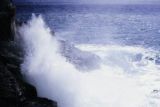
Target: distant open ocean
[99,56]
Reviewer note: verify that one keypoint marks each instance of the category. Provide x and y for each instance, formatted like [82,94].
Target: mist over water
[128,76]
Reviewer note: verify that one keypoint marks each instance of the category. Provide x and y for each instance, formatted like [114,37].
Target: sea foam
[127,77]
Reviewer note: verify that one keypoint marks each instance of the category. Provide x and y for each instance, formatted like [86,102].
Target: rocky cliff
[14,91]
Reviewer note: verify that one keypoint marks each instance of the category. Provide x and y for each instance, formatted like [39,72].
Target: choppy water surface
[100,56]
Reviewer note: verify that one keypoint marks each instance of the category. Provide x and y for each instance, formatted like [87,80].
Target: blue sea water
[99,55]
[101,24]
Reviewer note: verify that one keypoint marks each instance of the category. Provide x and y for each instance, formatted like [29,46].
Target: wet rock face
[7,12]
[14,91]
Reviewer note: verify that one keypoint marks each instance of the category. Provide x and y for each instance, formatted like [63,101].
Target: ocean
[92,55]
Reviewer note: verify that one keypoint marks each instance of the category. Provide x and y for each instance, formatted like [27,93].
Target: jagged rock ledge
[14,91]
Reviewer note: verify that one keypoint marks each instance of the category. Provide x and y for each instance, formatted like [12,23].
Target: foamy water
[127,77]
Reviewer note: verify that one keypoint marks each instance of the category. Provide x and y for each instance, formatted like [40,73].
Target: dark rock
[14,91]
[39,102]
[7,12]
[9,87]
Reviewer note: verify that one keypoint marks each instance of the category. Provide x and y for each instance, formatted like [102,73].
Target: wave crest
[108,85]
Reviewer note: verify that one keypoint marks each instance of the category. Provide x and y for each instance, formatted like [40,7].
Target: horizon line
[55,3]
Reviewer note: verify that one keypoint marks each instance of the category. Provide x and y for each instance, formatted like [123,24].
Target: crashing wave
[122,76]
